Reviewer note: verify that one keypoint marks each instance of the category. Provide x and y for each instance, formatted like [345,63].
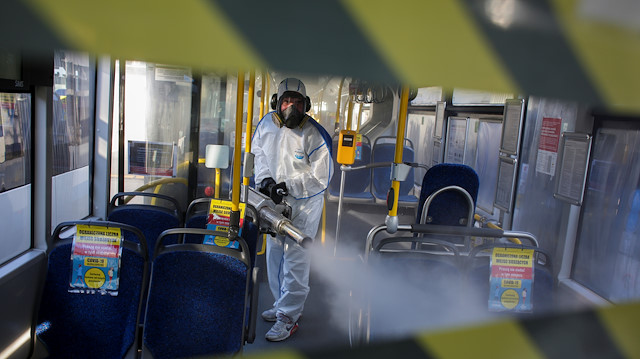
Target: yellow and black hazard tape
[608,332]
[542,48]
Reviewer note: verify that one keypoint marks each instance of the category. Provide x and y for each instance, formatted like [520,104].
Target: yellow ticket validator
[346,147]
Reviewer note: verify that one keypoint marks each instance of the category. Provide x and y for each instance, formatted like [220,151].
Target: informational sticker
[95,260]
[358,146]
[548,145]
[572,172]
[179,75]
[218,220]
[456,140]
[511,281]
[511,126]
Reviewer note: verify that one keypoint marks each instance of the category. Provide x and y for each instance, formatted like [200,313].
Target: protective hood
[291,117]
[293,85]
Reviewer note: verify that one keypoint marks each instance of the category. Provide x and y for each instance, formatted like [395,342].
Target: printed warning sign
[218,220]
[548,145]
[95,260]
[511,279]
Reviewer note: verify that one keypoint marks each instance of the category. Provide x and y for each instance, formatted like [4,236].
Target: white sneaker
[269,315]
[282,330]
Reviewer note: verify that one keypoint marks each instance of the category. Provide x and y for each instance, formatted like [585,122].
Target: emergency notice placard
[218,220]
[95,260]
[511,281]
[548,145]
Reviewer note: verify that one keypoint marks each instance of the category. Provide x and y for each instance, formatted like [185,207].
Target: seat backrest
[150,219]
[447,208]
[384,151]
[92,325]
[417,282]
[355,182]
[198,298]
[478,270]
[196,217]
[427,266]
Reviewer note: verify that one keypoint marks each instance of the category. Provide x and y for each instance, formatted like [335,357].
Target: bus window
[607,254]
[157,116]
[72,119]
[486,162]
[420,125]
[15,174]
[212,113]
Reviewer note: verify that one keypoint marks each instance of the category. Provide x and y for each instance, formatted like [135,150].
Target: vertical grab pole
[266,95]
[342,179]
[392,196]
[335,242]
[121,118]
[249,130]
[217,188]
[359,118]
[336,127]
[349,114]
[262,95]
[234,218]
[263,105]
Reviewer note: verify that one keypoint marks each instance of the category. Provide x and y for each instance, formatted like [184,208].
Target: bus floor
[324,323]
[315,330]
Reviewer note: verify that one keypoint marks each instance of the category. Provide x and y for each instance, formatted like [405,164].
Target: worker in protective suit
[293,161]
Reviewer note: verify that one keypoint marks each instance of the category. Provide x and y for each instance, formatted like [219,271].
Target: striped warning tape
[545,48]
[609,332]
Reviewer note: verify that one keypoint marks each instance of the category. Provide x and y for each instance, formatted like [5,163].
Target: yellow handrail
[158,183]
[491,225]
[247,142]
[359,118]
[216,193]
[235,194]
[402,120]
[262,95]
[350,114]
[265,80]
[266,95]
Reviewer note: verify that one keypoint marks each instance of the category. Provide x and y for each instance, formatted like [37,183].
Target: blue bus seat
[357,183]
[199,298]
[77,325]
[196,217]
[149,218]
[418,282]
[384,151]
[427,265]
[477,272]
[448,207]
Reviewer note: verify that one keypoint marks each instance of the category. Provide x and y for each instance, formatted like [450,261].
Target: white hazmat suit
[301,158]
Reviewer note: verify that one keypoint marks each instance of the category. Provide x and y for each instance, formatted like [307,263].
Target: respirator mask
[291,117]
